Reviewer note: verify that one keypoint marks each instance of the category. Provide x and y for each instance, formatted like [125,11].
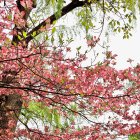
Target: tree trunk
[10,107]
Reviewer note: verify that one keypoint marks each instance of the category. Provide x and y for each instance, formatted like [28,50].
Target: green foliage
[59,7]
[134,137]
[24,34]
[130,4]
[36,110]
[49,116]
[119,16]
[123,21]
[85,18]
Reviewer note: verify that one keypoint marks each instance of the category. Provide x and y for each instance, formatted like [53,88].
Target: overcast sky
[124,48]
[127,48]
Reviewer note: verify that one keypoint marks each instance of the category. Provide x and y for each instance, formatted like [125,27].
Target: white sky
[124,48]
[127,48]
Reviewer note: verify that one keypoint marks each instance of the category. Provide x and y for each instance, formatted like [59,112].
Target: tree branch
[74,4]
[20,29]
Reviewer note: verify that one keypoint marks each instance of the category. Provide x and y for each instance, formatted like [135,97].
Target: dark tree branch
[74,4]
[19,30]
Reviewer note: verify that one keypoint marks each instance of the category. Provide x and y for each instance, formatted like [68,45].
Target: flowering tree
[44,94]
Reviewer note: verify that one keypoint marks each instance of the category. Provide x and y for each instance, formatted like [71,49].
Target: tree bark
[10,107]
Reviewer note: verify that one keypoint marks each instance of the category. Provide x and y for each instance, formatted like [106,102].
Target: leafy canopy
[45,93]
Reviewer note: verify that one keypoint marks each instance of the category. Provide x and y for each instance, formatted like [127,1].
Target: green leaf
[19,37]
[53,30]
[48,114]
[57,118]
[61,41]
[24,34]
[46,37]
[118,23]
[78,48]
[9,16]
[52,39]
[119,30]
[74,107]
[124,36]
[33,34]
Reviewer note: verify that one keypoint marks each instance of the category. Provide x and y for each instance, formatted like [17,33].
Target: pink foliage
[46,75]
